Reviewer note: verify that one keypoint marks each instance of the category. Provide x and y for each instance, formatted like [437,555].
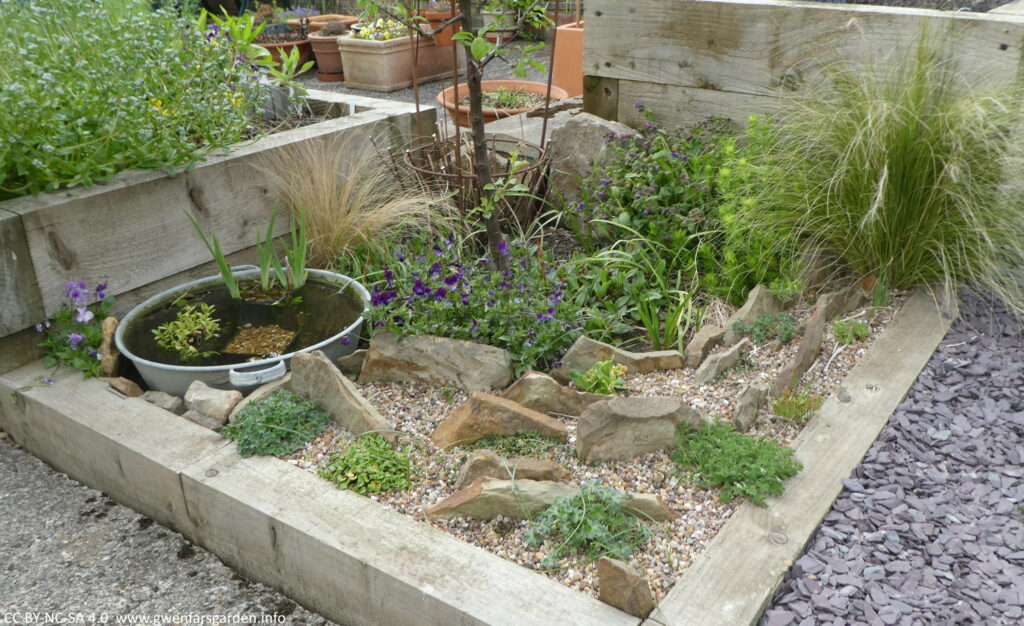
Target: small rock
[351,365]
[488,498]
[540,392]
[315,378]
[648,507]
[759,301]
[586,352]
[577,146]
[127,387]
[165,401]
[110,356]
[488,464]
[747,405]
[260,393]
[843,394]
[717,363]
[213,403]
[621,586]
[623,428]
[203,420]
[436,360]
[484,414]
[704,341]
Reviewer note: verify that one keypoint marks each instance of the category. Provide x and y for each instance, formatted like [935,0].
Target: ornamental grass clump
[91,89]
[439,291]
[903,170]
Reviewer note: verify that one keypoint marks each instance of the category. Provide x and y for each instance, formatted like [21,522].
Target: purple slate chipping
[927,528]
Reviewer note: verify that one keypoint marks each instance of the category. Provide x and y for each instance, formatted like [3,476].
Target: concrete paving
[69,549]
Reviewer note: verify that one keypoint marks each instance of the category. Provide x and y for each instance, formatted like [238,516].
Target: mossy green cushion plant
[281,424]
[718,456]
[850,331]
[369,465]
[522,443]
[596,521]
[769,326]
[903,170]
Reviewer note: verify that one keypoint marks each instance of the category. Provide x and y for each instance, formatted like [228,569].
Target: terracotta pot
[328,58]
[319,21]
[504,34]
[461,114]
[276,49]
[387,65]
[567,72]
[435,19]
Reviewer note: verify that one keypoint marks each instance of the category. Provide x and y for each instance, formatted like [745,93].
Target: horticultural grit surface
[928,529]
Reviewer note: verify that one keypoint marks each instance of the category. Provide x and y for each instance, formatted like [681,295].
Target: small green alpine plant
[718,456]
[521,443]
[850,331]
[597,521]
[279,425]
[73,335]
[369,465]
[768,327]
[605,378]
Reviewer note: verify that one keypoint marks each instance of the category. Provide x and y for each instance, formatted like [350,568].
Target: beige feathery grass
[351,195]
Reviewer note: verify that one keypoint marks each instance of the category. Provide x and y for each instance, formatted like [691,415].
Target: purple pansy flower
[83,315]
[74,339]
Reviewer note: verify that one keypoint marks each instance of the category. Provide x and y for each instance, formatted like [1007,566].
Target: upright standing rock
[110,356]
[316,379]
[704,341]
[621,586]
[582,142]
[759,302]
[623,428]
[747,405]
[541,392]
[717,363]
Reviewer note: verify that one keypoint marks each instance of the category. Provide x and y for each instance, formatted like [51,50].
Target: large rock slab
[703,342]
[110,356]
[215,404]
[621,586]
[624,428]
[759,301]
[487,498]
[540,392]
[828,306]
[489,464]
[583,141]
[717,363]
[485,414]
[315,378]
[436,360]
[586,352]
[748,403]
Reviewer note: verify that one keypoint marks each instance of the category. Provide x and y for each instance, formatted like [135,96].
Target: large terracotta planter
[443,38]
[319,21]
[276,50]
[328,58]
[387,65]
[567,72]
[461,114]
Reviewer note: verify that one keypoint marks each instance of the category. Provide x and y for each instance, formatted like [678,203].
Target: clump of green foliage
[769,326]
[787,289]
[596,521]
[605,378]
[193,326]
[281,424]
[73,336]
[796,405]
[904,170]
[369,465]
[850,331]
[521,443]
[718,456]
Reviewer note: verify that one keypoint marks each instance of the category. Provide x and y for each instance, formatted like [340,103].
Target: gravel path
[67,548]
[928,529]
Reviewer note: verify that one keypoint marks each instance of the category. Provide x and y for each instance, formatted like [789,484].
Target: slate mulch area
[928,530]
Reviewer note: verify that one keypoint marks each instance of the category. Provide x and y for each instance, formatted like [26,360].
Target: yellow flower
[156,103]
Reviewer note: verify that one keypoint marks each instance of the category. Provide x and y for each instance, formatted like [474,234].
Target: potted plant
[280,40]
[567,70]
[241,328]
[378,56]
[318,22]
[325,48]
[439,18]
[501,98]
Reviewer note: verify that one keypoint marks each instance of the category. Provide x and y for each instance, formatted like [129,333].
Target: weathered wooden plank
[734,578]
[135,229]
[601,97]
[1012,8]
[681,107]
[21,304]
[757,46]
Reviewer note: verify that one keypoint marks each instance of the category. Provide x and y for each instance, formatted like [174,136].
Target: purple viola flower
[450,241]
[503,248]
[474,326]
[465,299]
[420,289]
[398,320]
[95,354]
[75,339]
[452,279]
[435,270]
[438,251]
[648,125]
[440,293]
[378,298]
[639,106]
[400,256]
[605,182]
[378,324]
[346,340]
[389,276]
[76,290]
[49,382]
[83,315]
[101,291]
